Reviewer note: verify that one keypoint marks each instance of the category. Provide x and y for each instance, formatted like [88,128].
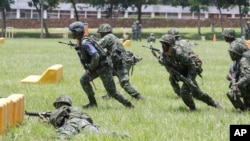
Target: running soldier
[176,58]
[187,45]
[120,59]
[96,64]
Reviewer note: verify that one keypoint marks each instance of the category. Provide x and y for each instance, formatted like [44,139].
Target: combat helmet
[167,38]
[173,32]
[230,33]
[237,50]
[104,28]
[65,99]
[76,26]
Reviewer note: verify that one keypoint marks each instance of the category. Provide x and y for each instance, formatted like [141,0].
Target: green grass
[187,33]
[162,117]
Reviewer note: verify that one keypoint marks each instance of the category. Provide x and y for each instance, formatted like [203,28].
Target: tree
[196,6]
[138,4]
[4,6]
[73,2]
[243,9]
[41,5]
[110,6]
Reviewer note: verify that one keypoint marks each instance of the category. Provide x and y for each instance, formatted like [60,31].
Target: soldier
[138,30]
[134,31]
[177,57]
[118,55]
[96,64]
[239,71]
[247,31]
[178,39]
[69,120]
[239,75]
[182,43]
[151,38]
[230,37]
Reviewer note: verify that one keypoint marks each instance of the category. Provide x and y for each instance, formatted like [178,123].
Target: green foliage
[162,117]
[5,4]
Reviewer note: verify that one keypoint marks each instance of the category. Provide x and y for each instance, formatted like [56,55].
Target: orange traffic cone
[214,38]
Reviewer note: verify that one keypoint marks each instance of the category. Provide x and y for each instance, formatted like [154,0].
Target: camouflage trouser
[174,83]
[186,94]
[236,96]
[138,36]
[76,125]
[122,72]
[106,75]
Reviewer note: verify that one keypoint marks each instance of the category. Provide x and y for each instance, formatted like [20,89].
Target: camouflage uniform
[239,73]
[178,58]
[69,120]
[134,31]
[95,62]
[180,43]
[118,55]
[138,31]
[151,38]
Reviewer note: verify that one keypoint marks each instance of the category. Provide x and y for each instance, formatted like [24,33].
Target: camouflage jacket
[115,49]
[244,67]
[181,61]
[68,114]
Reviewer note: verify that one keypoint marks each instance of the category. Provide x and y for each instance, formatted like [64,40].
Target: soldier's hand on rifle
[229,77]
[88,72]
[160,60]
[42,117]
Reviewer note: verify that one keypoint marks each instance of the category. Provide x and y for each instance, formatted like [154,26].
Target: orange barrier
[1,40]
[52,75]
[11,111]
[3,116]
[127,43]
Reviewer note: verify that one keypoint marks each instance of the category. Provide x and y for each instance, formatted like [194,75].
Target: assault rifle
[84,63]
[69,44]
[172,70]
[152,48]
[44,114]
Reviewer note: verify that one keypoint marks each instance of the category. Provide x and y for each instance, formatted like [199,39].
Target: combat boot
[107,96]
[128,104]
[139,97]
[92,103]
[217,105]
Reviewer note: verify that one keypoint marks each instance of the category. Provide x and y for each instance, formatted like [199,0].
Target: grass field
[162,117]
[187,33]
